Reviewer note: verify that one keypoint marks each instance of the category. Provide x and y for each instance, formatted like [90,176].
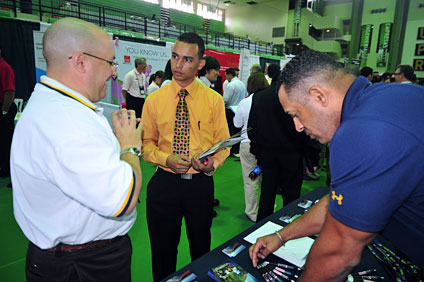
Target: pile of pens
[364,276]
[278,272]
[401,268]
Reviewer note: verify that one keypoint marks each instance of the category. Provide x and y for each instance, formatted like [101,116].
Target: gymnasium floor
[230,221]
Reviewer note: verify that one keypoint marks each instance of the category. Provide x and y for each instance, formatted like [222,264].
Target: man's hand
[126,130]
[205,167]
[263,247]
[178,164]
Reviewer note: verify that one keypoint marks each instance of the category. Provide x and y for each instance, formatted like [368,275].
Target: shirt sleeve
[127,81]
[220,131]
[240,116]
[228,93]
[89,170]
[150,149]
[8,80]
[372,167]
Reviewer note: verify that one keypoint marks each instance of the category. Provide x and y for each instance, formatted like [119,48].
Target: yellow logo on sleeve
[339,198]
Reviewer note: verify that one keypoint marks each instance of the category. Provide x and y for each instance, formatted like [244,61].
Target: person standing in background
[234,93]
[8,112]
[209,73]
[181,120]
[133,86]
[256,83]
[156,81]
[75,181]
[277,146]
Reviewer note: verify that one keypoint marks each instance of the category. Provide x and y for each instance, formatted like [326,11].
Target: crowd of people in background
[403,74]
[172,193]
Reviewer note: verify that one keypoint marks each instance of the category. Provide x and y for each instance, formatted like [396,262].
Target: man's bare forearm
[8,100]
[308,224]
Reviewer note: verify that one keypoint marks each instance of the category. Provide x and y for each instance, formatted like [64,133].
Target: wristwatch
[4,113]
[133,151]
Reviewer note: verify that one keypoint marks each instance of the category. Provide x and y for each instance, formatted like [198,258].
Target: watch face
[136,151]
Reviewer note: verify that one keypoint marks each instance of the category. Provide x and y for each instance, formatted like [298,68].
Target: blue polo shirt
[377,163]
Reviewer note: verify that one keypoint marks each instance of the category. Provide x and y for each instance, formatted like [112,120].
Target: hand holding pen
[206,166]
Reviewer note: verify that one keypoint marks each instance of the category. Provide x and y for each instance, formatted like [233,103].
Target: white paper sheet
[294,251]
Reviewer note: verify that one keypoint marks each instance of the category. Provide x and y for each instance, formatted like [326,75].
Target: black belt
[187,176]
[90,245]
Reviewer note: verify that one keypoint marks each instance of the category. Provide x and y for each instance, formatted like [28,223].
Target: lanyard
[67,94]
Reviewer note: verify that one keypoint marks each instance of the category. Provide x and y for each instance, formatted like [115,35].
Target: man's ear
[201,64]
[319,95]
[79,62]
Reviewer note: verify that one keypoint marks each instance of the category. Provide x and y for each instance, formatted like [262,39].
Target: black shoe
[9,185]
[215,202]
[214,214]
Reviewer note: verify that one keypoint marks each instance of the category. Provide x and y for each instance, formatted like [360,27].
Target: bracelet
[281,238]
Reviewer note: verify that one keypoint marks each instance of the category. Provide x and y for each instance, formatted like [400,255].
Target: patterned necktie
[181,142]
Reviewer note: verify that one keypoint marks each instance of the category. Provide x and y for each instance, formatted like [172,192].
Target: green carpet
[230,221]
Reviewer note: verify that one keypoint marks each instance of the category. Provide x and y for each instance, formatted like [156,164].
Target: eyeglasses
[112,64]
[397,73]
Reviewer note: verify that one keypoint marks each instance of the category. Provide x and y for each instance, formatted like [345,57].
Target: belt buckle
[186,176]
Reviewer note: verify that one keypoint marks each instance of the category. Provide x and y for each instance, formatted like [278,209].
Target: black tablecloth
[202,265]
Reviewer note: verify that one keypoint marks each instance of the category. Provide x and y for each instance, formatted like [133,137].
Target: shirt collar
[191,88]
[353,95]
[205,80]
[64,90]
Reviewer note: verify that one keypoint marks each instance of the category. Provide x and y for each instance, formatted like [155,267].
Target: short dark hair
[408,71]
[231,71]
[273,71]
[193,38]
[309,64]
[366,71]
[211,63]
[256,82]
[168,71]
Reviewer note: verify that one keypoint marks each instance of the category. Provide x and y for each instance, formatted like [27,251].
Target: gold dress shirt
[208,123]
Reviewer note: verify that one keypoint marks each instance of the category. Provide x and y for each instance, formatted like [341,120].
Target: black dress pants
[103,264]
[169,199]
[7,125]
[136,104]
[279,173]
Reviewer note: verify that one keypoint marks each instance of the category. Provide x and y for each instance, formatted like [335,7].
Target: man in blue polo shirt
[376,161]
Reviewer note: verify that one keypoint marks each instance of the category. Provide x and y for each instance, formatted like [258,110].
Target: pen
[372,277]
[364,272]
[198,124]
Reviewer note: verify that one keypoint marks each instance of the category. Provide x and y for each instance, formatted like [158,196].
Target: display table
[216,257]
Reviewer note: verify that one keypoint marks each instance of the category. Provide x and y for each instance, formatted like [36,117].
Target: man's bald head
[67,36]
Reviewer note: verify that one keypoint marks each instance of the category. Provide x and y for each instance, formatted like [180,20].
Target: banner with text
[364,47]
[383,43]
[126,52]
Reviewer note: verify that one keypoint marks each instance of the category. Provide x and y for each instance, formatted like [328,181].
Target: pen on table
[198,124]
[364,272]
[234,246]
[371,277]
[183,275]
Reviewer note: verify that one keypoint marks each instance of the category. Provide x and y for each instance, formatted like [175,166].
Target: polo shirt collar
[191,88]
[66,91]
[353,95]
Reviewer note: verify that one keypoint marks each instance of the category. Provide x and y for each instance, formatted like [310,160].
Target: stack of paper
[294,251]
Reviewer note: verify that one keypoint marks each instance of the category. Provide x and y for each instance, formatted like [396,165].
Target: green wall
[341,10]
[376,20]
[258,21]
[415,20]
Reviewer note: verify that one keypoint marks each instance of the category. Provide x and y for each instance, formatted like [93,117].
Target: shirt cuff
[161,158]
